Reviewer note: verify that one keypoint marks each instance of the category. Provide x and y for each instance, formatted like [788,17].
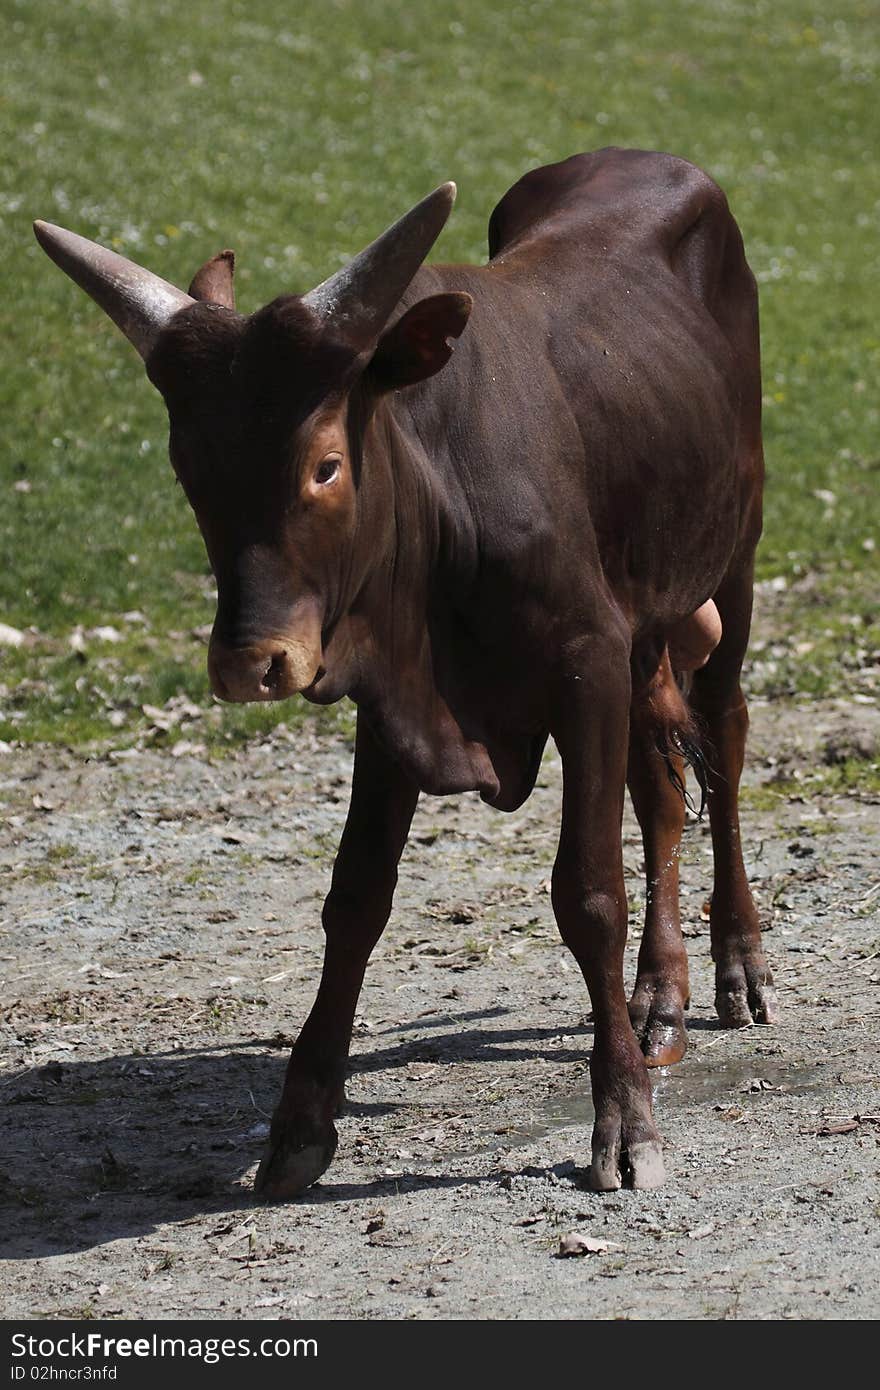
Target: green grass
[295,133]
[857,776]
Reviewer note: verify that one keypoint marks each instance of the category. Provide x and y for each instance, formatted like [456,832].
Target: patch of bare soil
[161,943]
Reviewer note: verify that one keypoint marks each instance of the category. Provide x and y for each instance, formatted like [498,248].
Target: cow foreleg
[743,983]
[303,1137]
[662,991]
[589,899]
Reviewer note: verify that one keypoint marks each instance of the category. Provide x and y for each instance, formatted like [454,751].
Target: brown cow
[481,556]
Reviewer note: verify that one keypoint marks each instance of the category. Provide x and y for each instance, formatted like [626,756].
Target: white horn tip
[49,236]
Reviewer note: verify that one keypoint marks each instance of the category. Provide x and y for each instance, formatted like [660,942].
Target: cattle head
[267,418]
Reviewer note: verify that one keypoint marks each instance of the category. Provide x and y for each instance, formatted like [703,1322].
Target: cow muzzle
[269,670]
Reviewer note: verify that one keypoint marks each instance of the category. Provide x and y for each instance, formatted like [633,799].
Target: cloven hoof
[285,1173]
[644,1169]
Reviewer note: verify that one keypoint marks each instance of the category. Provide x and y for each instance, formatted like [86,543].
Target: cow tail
[686,742]
[675,732]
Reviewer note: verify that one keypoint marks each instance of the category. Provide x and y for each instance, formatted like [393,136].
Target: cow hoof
[658,1023]
[646,1167]
[746,996]
[664,1044]
[617,1162]
[603,1174]
[285,1172]
[642,1167]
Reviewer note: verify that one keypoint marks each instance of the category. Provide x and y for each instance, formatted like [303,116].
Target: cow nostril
[275,672]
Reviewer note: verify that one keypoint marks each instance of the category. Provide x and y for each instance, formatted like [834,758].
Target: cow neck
[399,682]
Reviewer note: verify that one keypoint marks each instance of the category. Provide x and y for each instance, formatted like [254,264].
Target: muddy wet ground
[161,943]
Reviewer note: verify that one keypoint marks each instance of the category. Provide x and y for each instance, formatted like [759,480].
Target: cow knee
[589,919]
[364,903]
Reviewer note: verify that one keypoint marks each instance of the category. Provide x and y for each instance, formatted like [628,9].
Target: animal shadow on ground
[98,1151]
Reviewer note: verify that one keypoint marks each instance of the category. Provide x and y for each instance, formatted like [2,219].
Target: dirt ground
[161,944]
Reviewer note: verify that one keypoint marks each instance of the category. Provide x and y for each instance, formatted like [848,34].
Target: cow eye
[327,470]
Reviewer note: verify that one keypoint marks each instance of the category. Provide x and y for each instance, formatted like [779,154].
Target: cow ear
[213,283]
[418,344]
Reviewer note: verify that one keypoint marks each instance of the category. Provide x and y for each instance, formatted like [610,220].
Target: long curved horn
[359,299]
[138,302]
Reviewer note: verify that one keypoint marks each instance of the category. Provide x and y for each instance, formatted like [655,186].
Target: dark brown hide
[489,547]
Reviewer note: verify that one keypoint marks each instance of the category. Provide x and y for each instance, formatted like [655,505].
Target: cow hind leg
[303,1137]
[660,727]
[743,983]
